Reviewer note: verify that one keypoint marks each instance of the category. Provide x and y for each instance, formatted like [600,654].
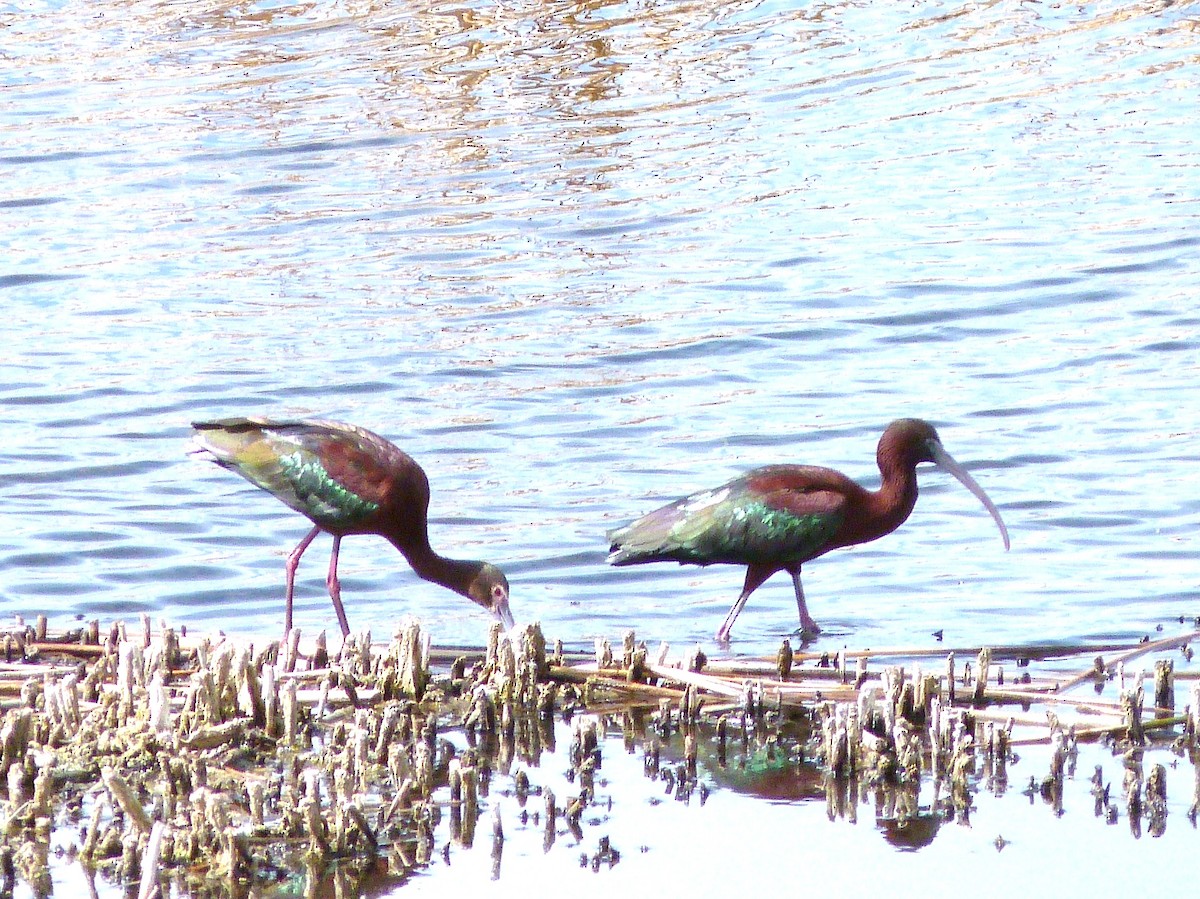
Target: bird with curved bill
[778,517]
[348,481]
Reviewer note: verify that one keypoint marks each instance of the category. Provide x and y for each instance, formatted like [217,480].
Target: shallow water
[582,258]
[731,830]
[733,838]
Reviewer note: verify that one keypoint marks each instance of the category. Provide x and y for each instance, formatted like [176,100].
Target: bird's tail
[226,440]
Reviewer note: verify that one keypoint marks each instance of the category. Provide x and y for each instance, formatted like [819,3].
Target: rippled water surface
[580,258]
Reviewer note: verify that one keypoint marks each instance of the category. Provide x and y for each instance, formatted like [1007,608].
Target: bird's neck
[893,502]
[453,574]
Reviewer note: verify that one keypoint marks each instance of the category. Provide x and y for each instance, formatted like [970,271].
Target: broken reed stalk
[617,684]
[999,653]
[1126,653]
[725,682]
[722,683]
[110,709]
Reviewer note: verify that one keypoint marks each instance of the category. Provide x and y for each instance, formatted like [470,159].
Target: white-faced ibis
[778,517]
[347,480]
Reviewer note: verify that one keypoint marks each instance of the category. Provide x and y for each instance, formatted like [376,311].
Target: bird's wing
[335,474]
[749,521]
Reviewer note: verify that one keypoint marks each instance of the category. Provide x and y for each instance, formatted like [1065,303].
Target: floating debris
[210,765]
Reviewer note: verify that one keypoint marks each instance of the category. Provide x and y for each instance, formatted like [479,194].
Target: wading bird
[347,480]
[778,517]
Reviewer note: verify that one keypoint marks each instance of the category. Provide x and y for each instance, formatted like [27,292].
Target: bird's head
[489,588]
[913,441]
[910,441]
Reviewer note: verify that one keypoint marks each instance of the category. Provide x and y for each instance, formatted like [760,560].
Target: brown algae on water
[143,759]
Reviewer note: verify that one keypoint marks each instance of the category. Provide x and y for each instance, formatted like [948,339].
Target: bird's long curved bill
[504,616]
[944,460]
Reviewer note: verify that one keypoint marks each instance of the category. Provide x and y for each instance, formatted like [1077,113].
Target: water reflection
[582,257]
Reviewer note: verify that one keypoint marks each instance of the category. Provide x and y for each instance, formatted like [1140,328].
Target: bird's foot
[809,631]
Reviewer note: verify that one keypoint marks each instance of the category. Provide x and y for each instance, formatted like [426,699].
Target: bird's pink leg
[293,562]
[755,575]
[808,627]
[335,587]
[734,611]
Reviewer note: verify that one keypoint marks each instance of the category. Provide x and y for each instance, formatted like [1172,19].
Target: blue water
[581,259]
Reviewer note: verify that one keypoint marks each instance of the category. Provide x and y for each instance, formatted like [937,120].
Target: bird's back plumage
[777,515]
[342,477]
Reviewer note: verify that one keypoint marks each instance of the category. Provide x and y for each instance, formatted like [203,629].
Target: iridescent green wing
[762,524]
[327,471]
[769,516]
